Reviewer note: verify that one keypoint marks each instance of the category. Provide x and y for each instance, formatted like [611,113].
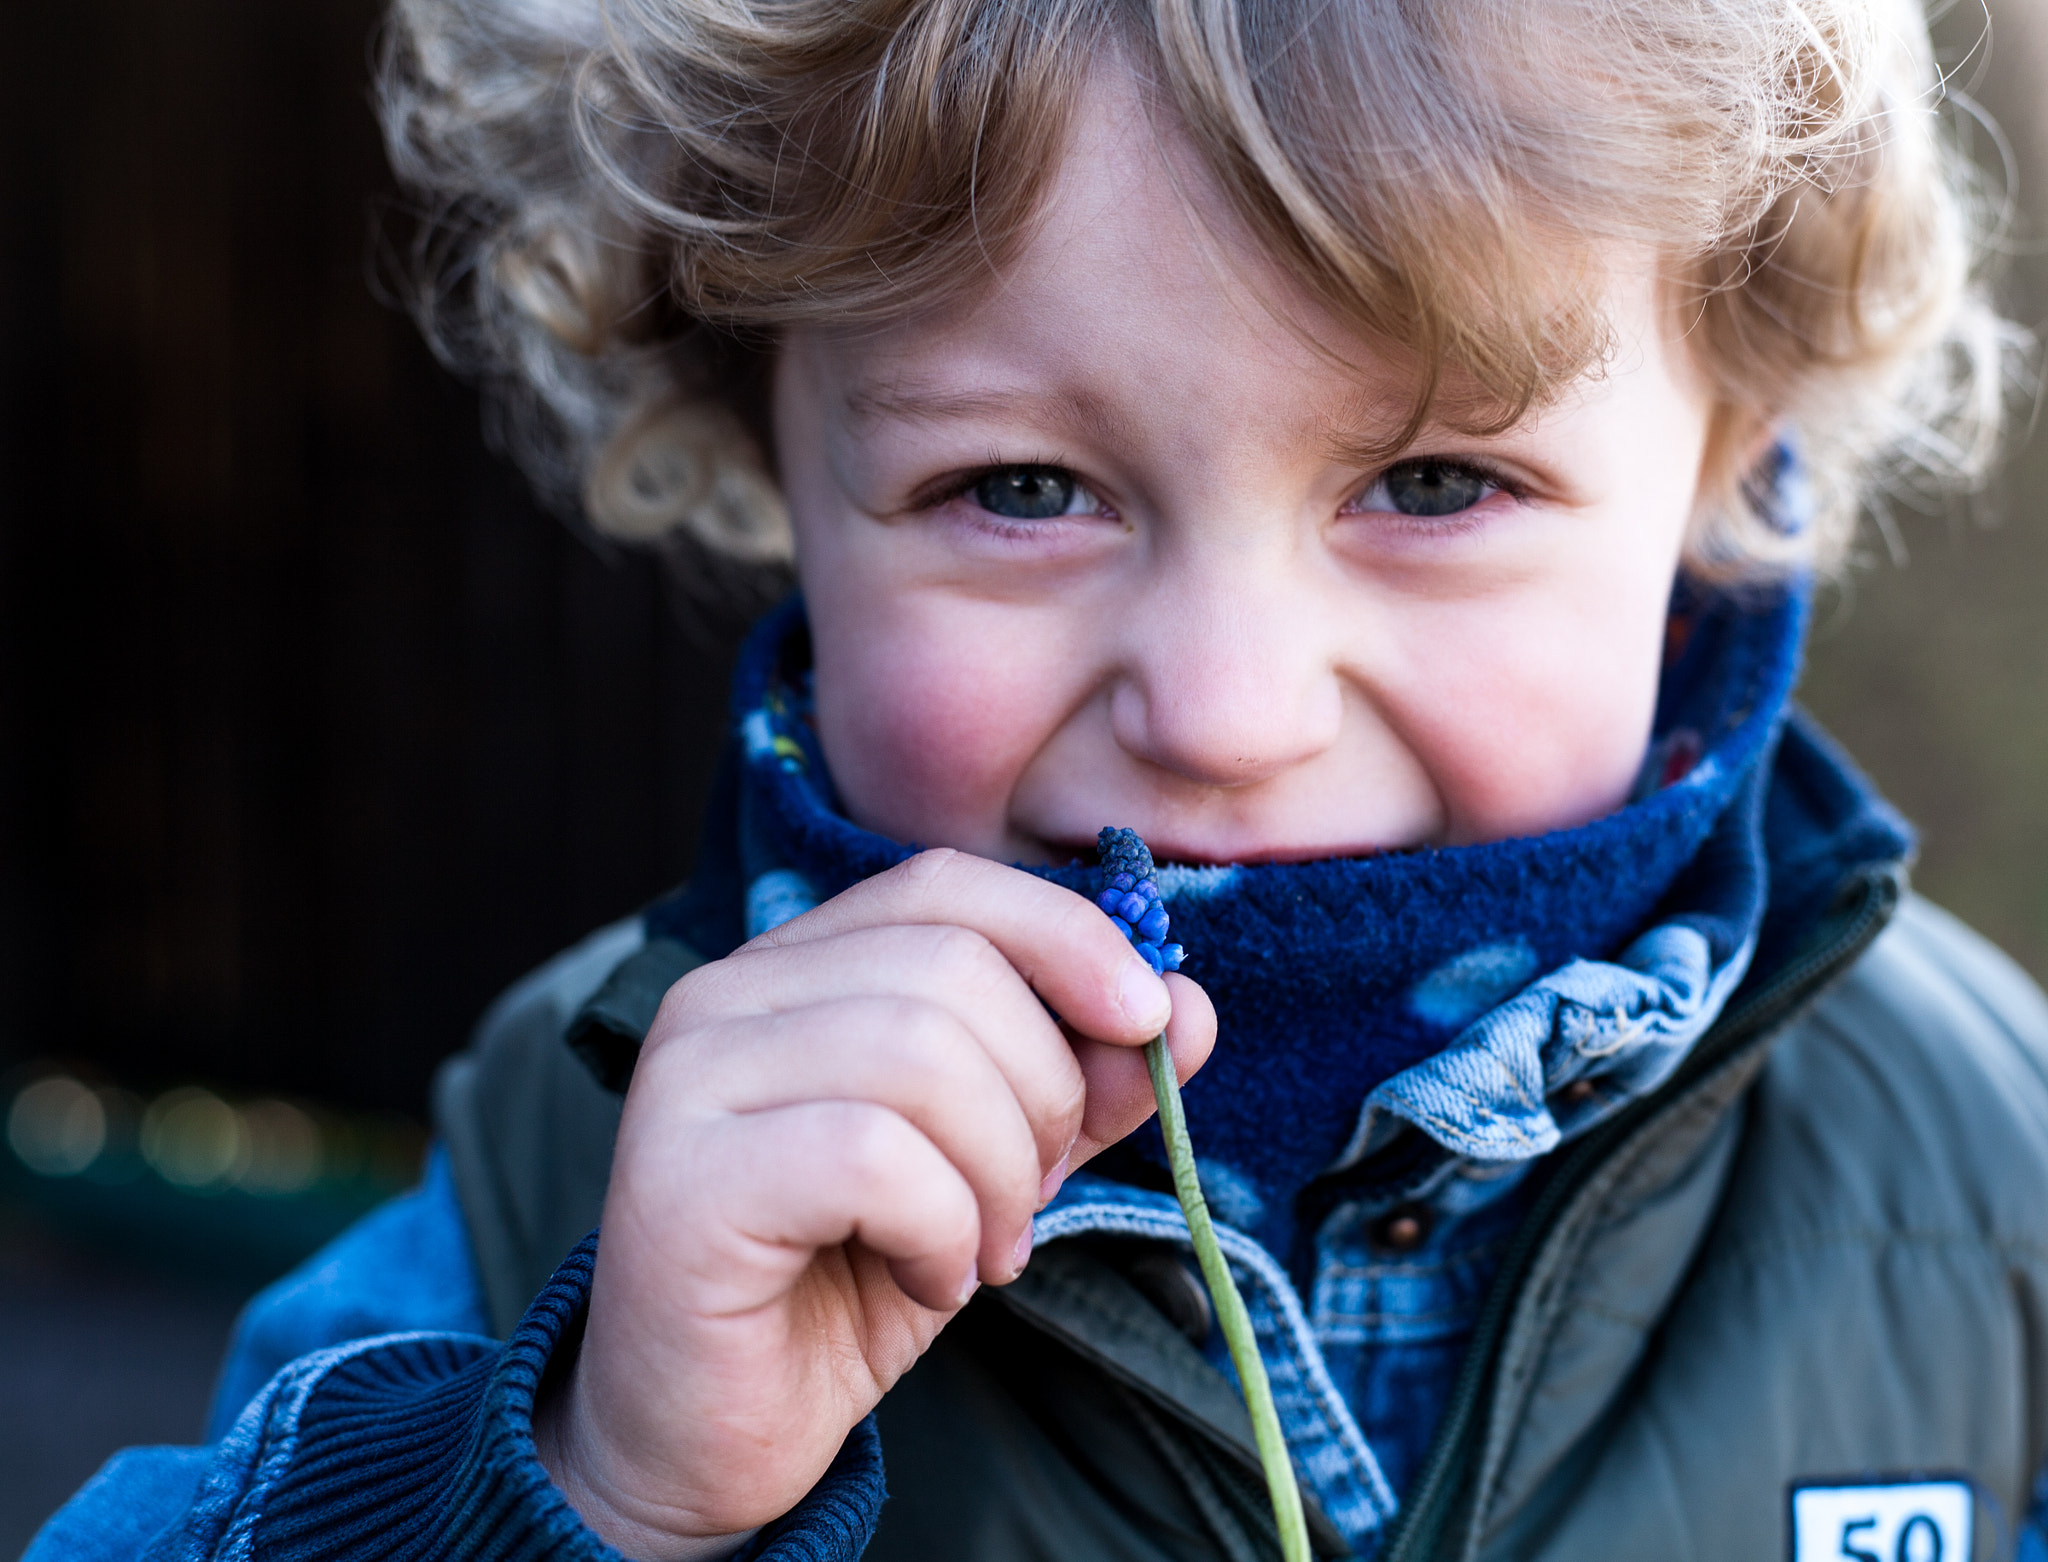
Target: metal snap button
[1403,1229]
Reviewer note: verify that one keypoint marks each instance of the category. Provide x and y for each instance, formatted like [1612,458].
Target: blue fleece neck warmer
[1498,997]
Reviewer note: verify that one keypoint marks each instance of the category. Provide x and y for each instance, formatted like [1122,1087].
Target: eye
[1032,493]
[1428,488]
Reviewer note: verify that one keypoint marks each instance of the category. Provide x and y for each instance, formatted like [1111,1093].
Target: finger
[914,1058]
[1064,947]
[800,1178]
[1119,1083]
[946,967]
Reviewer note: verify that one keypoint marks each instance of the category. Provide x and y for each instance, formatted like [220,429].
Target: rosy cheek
[929,721]
[1539,724]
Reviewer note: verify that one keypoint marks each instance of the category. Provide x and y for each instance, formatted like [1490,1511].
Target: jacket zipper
[1439,1493]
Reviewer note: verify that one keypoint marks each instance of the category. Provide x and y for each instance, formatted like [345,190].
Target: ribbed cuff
[423,1447]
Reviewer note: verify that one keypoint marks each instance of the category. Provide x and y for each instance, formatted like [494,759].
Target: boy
[1380,463]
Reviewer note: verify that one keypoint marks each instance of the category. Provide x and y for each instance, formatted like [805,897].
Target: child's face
[1090,552]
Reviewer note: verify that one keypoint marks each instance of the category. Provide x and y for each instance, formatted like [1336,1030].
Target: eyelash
[961,485]
[1457,521]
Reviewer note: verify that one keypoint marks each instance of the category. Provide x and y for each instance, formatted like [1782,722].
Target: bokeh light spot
[193,1139]
[57,1126]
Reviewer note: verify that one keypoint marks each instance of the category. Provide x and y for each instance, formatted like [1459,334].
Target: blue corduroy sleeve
[403,1268]
[361,1413]
[414,1445]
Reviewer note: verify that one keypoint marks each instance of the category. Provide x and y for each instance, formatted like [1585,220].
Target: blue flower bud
[1122,852]
[1131,897]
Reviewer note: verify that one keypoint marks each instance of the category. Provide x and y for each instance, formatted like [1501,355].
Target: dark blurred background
[315,731]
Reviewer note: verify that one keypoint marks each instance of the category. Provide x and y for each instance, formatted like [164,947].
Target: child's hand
[830,1136]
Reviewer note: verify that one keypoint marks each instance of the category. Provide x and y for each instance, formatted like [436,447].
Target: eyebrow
[1081,411]
[1356,431]
[1361,430]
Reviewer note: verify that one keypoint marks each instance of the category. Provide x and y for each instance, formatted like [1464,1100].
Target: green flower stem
[1230,1310]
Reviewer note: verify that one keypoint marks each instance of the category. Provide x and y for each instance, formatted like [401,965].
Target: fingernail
[1053,1179]
[1143,995]
[970,1285]
[1022,1255]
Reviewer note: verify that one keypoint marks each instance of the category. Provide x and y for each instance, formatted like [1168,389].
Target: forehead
[1137,280]
[1134,271]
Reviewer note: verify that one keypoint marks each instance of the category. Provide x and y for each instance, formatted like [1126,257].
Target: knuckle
[961,957]
[929,870]
[922,1035]
[695,1004]
[950,1209]
[885,1159]
[870,1144]
[693,995]
[1083,922]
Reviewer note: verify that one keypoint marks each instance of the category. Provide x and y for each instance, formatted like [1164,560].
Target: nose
[1232,682]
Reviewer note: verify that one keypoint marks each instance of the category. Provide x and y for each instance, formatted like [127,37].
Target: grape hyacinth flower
[1131,898]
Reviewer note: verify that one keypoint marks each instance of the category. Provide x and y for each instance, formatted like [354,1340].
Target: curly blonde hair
[628,199]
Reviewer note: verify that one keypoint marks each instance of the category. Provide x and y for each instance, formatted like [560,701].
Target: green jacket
[1819,1252]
